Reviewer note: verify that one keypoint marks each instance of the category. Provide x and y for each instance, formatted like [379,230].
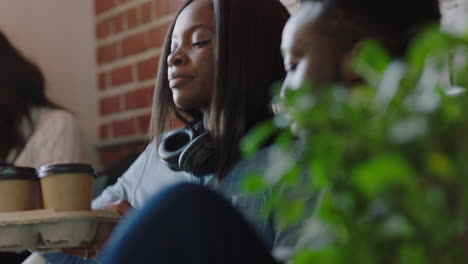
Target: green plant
[390,157]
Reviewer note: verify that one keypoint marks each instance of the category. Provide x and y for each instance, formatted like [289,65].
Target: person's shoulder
[259,160]
[58,118]
[58,114]
[247,166]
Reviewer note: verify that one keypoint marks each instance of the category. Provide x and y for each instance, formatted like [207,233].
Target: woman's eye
[292,67]
[200,43]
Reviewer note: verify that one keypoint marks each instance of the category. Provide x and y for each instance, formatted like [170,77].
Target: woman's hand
[121,206]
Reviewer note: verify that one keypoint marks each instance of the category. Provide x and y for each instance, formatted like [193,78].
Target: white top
[56,139]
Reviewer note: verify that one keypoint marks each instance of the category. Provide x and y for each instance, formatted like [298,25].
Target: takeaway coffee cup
[19,189]
[67,187]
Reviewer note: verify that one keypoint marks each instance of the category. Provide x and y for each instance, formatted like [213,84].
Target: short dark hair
[393,22]
[247,62]
[22,87]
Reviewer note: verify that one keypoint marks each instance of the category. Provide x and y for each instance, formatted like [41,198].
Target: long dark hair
[248,61]
[21,88]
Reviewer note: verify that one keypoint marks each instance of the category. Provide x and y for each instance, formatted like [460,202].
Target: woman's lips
[179,80]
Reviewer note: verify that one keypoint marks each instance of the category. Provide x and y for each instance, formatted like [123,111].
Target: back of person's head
[393,23]
[247,61]
[21,88]
[21,82]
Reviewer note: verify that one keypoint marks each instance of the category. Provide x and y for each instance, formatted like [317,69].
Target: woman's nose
[177,58]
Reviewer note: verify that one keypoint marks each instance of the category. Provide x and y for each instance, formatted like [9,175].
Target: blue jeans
[186,223]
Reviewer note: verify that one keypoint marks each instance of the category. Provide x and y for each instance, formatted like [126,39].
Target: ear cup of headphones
[189,149]
[173,145]
[199,156]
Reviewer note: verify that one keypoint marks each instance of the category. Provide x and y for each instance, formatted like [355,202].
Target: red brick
[103,29]
[117,22]
[135,147]
[107,53]
[106,157]
[123,1]
[161,7]
[121,75]
[103,131]
[145,13]
[132,18]
[109,105]
[134,44]
[101,6]
[147,69]
[175,5]
[139,98]
[144,123]
[112,154]
[102,81]
[124,128]
[157,35]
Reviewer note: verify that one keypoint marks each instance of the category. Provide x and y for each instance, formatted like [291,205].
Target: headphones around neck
[189,149]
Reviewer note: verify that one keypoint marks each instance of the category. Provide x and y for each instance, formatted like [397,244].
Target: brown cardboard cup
[19,189]
[67,187]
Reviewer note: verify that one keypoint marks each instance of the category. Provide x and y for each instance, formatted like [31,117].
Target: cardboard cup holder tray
[48,229]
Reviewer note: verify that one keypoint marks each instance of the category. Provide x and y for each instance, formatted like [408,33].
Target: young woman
[217,65]
[34,131]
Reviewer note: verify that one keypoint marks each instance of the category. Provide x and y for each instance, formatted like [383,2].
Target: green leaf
[325,256]
[255,139]
[254,183]
[320,178]
[381,173]
[412,254]
[440,165]
[396,226]
[291,211]
[285,138]
[371,61]
[429,43]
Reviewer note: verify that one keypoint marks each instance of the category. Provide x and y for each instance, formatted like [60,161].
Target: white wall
[59,36]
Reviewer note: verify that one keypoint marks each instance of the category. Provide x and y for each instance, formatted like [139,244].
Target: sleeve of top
[126,184]
[57,139]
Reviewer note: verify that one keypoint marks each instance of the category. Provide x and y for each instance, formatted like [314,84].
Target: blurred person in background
[34,131]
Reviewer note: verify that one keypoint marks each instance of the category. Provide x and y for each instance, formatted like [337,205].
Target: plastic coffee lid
[53,169]
[18,173]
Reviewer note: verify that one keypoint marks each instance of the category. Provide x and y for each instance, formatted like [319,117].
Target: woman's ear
[348,76]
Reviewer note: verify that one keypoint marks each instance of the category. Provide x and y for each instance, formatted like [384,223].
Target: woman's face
[190,63]
[307,54]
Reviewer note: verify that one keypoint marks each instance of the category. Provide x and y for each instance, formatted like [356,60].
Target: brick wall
[129,36]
